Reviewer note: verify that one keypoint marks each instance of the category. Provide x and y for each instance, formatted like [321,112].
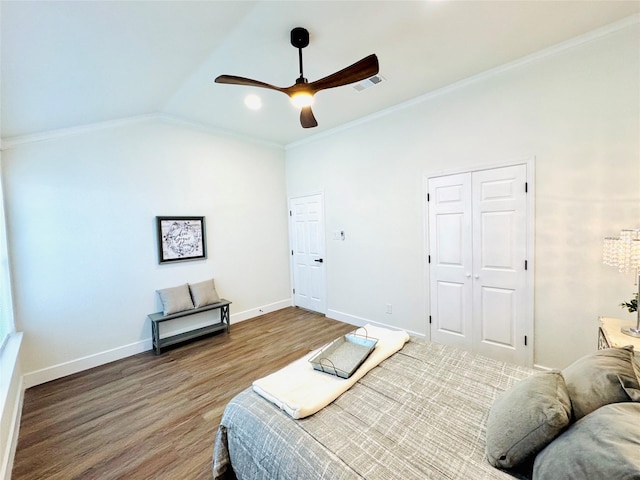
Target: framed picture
[181,238]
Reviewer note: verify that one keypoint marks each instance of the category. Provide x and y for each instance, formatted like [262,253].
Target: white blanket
[301,391]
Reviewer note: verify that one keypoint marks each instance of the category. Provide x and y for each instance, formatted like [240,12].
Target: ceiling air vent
[369,82]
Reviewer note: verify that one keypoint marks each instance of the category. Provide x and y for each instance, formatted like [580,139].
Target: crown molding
[12,142]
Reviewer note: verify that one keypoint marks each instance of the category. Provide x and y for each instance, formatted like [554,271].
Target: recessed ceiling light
[252,101]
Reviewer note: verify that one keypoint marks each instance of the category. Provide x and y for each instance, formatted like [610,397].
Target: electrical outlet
[389,308]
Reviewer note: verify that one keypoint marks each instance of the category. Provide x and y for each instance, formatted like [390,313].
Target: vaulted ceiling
[73,63]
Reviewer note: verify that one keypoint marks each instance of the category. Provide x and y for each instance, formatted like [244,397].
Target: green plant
[631,305]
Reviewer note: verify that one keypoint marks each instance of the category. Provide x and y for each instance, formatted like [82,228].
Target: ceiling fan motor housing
[299,37]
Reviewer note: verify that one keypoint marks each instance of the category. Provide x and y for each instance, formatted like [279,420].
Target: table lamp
[623,252]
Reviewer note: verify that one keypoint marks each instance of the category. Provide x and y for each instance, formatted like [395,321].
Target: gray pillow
[175,299]
[606,376]
[204,293]
[526,418]
[603,445]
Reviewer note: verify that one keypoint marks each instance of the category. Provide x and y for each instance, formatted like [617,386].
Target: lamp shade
[623,252]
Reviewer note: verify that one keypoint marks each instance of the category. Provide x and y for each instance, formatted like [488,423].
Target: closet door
[451,246]
[499,254]
[477,248]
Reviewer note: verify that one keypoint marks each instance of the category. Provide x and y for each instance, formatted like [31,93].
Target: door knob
[319,260]
[468,275]
[476,276]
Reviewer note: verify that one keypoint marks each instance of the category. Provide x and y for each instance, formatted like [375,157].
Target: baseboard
[31,379]
[256,312]
[54,372]
[361,322]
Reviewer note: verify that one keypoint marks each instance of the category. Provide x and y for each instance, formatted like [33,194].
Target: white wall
[576,110]
[81,218]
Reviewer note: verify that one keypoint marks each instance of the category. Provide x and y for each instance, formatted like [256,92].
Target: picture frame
[181,239]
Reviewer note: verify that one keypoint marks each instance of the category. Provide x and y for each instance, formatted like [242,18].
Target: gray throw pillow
[603,377]
[526,418]
[602,445]
[204,293]
[175,299]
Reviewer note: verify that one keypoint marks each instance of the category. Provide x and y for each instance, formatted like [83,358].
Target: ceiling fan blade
[307,120]
[365,68]
[247,82]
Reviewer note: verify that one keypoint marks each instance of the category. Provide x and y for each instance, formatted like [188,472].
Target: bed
[420,414]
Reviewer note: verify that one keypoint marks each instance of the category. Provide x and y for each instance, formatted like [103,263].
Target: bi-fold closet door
[478,260]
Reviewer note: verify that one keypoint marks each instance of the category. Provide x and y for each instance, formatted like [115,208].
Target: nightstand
[609,334]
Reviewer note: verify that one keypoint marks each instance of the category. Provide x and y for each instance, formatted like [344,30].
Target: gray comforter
[421,414]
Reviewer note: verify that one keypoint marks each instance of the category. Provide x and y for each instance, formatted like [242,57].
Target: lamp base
[631,331]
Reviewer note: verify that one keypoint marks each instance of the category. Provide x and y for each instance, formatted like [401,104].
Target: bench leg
[224,314]
[155,335]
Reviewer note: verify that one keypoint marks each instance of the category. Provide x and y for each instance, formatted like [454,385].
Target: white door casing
[478,248]
[306,216]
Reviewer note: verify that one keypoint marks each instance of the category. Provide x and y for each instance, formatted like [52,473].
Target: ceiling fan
[301,93]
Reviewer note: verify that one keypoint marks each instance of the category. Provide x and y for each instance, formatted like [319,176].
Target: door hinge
[294,291]
[291,252]
[526,187]
[290,214]
[525,340]
[428,197]
[429,258]
[526,264]
[430,320]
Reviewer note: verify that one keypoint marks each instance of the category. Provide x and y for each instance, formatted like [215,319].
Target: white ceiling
[72,63]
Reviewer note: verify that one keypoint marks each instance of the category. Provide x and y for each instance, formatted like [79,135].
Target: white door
[478,278]
[307,252]
[499,255]
[450,233]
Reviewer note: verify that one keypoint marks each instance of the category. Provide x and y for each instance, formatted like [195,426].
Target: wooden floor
[155,417]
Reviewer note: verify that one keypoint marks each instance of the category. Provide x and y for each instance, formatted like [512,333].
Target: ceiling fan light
[302,99]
